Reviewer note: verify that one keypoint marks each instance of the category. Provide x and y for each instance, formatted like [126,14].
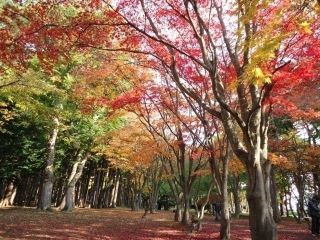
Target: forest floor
[122,224]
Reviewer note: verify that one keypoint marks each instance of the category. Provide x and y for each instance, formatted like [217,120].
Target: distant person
[314,212]
[146,203]
[217,208]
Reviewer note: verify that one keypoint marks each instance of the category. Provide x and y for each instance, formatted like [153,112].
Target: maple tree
[296,159]
[164,113]
[133,150]
[261,50]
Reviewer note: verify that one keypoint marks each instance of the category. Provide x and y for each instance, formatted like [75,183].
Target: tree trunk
[178,197]
[281,204]
[225,222]
[274,197]
[299,179]
[154,195]
[236,195]
[96,188]
[225,216]
[186,209]
[68,201]
[85,187]
[254,155]
[23,187]
[57,197]
[289,202]
[316,183]
[115,190]
[46,190]
[200,214]
[136,201]
[100,191]
[33,197]
[112,189]
[178,214]
[9,196]
[261,220]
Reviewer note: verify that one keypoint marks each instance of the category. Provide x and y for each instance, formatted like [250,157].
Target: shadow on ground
[121,224]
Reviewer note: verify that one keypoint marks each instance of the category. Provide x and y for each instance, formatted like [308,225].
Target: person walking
[314,212]
[146,203]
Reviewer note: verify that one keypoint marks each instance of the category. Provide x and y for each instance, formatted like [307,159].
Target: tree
[46,190]
[133,150]
[237,175]
[167,116]
[254,51]
[300,159]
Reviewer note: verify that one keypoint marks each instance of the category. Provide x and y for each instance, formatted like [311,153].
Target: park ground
[122,224]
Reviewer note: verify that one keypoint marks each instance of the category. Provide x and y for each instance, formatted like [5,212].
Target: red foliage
[123,224]
[128,98]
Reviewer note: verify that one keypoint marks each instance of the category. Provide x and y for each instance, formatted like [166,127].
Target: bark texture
[9,195]
[68,201]
[46,190]
[274,197]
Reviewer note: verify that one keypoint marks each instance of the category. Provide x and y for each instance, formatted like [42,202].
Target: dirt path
[121,224]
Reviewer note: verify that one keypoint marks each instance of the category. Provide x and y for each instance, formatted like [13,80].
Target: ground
[122,224]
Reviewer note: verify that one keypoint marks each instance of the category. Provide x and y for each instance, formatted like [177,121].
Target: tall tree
[258,57]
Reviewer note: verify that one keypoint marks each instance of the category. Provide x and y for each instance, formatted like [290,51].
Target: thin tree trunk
[95,189]
[236,195]
[200,214]
[57,191]
[225,216]
[76,193]
[154,195]
[115,190]
[274,197]
[85,186]
[281,204]
[300,187]
[286,204]
[186,208]
[100,191]
[34,192]
[22,193]
[290,206]
[178,214]
[178,210]
[46,190]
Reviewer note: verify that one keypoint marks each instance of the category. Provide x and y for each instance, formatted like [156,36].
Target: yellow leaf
[260,77]
[267,80]
[257,73]
[306,27]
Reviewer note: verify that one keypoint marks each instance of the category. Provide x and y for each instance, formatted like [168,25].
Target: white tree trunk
[46,190]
